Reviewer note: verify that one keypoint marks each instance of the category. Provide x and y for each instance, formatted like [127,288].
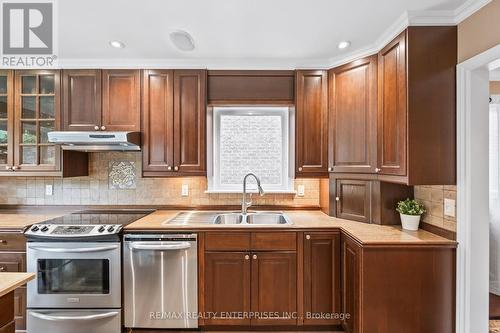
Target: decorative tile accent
[121,175]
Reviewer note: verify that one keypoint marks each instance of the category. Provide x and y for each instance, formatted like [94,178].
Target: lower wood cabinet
[350,284]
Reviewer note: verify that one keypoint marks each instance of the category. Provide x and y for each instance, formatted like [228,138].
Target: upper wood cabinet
[81,100]
[6,119]
[353,117]
[174,122]
[121,96]
[311,123]
[321,277]
[417,107]
[101,100]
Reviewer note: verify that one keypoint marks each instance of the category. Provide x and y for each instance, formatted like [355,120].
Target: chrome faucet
[244,203]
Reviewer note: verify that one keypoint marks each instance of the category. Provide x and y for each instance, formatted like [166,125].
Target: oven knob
[45,228]
[111,229]
[101,228]
[35,228]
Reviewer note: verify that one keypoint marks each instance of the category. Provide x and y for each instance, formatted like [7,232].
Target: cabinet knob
[300,168]
[254,256]
[330,169]
[176,168]
[96,127]
[169,168]
[247,257]
[378,170]
[14,168]
[2,269]
[103,128]
[2,241]
[337,198]
[308,236]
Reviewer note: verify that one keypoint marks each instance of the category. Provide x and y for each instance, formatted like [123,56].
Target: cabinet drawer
[12,262]
[227,241]
[274,241]
[12,241]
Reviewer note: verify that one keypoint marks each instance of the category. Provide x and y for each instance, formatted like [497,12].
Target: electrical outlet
[301,190]
[185,190]
[49,190]
[449,207]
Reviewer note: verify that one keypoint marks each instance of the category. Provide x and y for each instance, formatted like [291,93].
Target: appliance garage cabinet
[29,109]
[308,279]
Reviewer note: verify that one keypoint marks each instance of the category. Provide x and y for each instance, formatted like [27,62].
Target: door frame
[472,277]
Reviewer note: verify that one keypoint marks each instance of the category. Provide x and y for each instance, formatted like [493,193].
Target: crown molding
[408,18]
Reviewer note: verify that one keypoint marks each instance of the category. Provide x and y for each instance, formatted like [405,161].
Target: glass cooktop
[122,217]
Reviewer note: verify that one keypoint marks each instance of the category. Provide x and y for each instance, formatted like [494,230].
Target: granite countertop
[369,234]
[12,281]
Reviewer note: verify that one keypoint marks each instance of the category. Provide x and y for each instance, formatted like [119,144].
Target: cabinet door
[6,119]
[353,199]
[392,111]
[37,112]
[321,277]
[274,287]
[121,95]
[350,285]
[20,308]
[81,99]
[227,287]
[158,122]
[190,122]
[311,124]
[353,117]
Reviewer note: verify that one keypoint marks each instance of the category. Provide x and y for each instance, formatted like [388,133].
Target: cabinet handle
[247,257]
[103,128]
[254,256]
[378,170]
[308,236]
[169,168]
[300,168]
[176,168]
[96,127]
[337,198]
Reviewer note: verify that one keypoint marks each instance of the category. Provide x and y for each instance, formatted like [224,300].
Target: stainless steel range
[77,262]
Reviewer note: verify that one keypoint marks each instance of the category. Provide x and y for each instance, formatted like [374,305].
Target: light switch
[301,190]
[185,190]
[449,207]
[49,190]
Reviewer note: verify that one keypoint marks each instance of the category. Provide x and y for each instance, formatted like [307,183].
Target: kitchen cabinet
[245,273]
[174,123]
[311,139]
[81,100]
[121,100]
[359,198]
[13,259]
[29,109]
[376,294]
[417,107]
[321,278]
[353,117]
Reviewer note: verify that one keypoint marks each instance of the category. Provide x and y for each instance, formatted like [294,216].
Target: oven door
[74,321]
[74,275]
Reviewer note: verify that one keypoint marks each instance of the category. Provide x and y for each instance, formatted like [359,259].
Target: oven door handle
[65,318]
[151,246]
[75,250]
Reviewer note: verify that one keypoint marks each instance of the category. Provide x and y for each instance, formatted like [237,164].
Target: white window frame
[494,193]
[213,137]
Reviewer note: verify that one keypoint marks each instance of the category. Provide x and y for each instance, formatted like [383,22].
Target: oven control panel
[68,231]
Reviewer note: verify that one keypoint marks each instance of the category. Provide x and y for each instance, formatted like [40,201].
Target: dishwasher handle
[160,246]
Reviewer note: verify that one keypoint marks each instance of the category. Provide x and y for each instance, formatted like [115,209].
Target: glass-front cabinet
[6,120]
[37,112]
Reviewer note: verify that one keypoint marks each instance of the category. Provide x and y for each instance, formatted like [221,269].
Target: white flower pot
[410,222]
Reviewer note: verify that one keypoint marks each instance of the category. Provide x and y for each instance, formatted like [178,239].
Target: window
[250,139]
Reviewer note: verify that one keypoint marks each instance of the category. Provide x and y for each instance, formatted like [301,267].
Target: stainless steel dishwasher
[160,280]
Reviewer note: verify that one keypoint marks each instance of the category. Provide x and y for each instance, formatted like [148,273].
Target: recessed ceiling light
[182,40]
[117,44]
[344,44]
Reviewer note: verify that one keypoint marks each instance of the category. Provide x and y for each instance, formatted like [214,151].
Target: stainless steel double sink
[230,218]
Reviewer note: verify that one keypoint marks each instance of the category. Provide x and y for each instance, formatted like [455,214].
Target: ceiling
[227,33]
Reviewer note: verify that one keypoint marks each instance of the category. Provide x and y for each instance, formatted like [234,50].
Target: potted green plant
[410,211]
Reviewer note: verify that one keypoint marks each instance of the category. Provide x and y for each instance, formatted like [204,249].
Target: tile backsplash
[115,179]
[432,196]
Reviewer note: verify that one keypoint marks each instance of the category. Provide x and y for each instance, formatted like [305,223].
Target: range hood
[97,141]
